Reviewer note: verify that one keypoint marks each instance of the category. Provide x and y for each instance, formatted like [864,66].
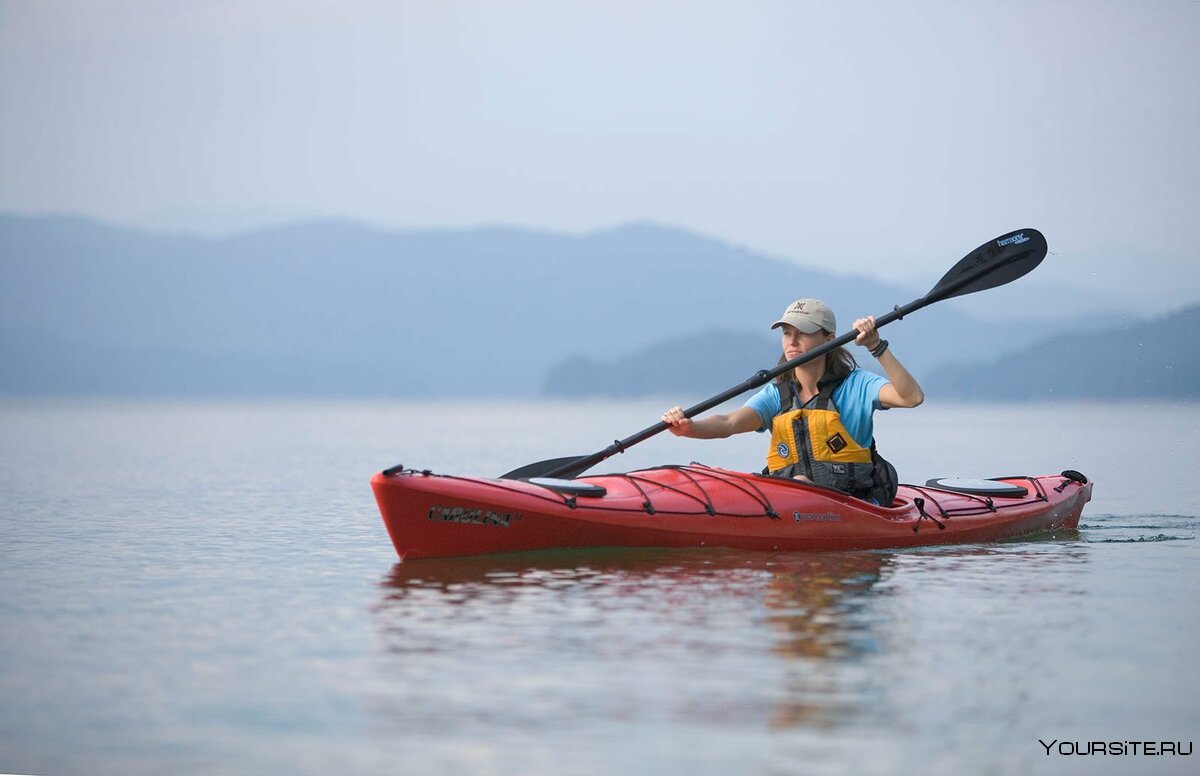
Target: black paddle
[992,264]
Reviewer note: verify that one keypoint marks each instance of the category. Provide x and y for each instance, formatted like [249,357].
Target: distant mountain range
[343,309]
[704,363]
[1147,359]
[1159,358]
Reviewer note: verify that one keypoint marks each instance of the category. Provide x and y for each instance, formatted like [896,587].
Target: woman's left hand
[868,335]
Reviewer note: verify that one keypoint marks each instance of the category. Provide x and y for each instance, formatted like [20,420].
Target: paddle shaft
[764,376]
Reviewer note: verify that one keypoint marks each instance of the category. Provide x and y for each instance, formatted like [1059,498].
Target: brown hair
[839,362]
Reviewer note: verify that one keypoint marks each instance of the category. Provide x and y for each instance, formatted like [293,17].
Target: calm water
[199,588]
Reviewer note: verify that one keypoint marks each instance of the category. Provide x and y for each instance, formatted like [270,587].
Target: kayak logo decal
[816,517]
[472,516]
[783,450]
[1016,239]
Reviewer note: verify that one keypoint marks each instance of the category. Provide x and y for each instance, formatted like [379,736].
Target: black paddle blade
[992,264]
[540,468]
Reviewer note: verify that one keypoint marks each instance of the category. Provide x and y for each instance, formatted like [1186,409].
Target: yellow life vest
[811,440]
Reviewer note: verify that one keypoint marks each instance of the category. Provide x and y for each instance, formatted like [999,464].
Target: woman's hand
[680,426]
[739,421]
[868,335]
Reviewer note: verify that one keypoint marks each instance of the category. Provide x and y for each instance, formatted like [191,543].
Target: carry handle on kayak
[992,264]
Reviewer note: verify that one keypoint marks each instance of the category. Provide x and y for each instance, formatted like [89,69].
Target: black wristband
[880,349]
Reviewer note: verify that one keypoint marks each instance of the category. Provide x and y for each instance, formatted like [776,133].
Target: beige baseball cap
[808,315]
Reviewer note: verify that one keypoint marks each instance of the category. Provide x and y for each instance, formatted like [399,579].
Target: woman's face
[796,342]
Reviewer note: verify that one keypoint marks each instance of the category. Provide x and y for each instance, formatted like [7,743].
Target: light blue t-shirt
[856,398]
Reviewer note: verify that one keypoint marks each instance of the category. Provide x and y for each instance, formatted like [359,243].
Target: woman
[820,413]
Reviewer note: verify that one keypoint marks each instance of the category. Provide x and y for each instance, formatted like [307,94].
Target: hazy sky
[884,138]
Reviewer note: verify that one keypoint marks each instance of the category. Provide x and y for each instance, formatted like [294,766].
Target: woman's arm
[903,390]
[739,421]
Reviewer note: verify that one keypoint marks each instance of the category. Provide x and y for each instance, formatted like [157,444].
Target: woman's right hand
[680,426]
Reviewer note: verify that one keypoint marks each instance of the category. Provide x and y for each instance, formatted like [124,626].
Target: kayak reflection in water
[820,413]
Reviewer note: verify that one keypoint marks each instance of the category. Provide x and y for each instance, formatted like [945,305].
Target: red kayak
[434,516]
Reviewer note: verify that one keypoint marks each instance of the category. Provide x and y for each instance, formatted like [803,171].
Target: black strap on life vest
[789,399]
